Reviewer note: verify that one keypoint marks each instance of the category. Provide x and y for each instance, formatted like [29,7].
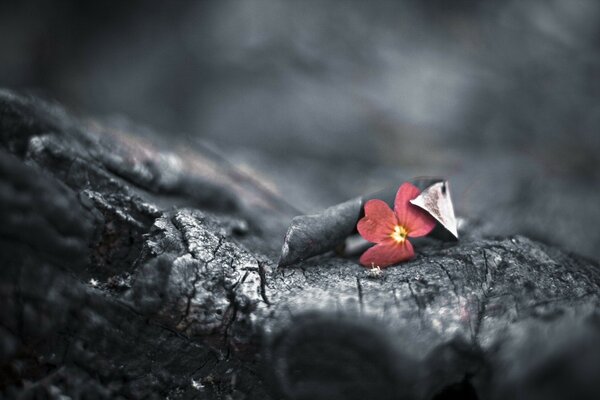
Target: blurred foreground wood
[133,268]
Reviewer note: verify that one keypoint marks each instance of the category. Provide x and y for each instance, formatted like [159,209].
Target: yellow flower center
[399,234]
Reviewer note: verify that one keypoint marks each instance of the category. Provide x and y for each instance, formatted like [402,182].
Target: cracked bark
[123,276]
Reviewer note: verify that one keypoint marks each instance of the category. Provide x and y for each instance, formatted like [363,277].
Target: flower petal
[387,253]
[416,221]
[378,222]
[422,224]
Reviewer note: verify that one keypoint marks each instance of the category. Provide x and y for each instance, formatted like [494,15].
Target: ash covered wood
[134,268]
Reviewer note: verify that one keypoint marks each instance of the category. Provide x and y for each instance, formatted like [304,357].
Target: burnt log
[134,268]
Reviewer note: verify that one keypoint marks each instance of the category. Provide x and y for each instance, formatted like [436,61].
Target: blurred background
[325,100]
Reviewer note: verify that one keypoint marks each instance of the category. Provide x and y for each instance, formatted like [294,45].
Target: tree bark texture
[135,268]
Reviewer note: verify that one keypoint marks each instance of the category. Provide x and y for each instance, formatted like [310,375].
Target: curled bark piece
[310,235]
[436,200]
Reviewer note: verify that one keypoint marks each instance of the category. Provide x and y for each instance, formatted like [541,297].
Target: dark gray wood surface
[135,268]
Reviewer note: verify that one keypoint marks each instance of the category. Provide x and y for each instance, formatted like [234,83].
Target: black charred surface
[121,276]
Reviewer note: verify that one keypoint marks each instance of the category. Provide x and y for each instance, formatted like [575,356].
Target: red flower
[391,229]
